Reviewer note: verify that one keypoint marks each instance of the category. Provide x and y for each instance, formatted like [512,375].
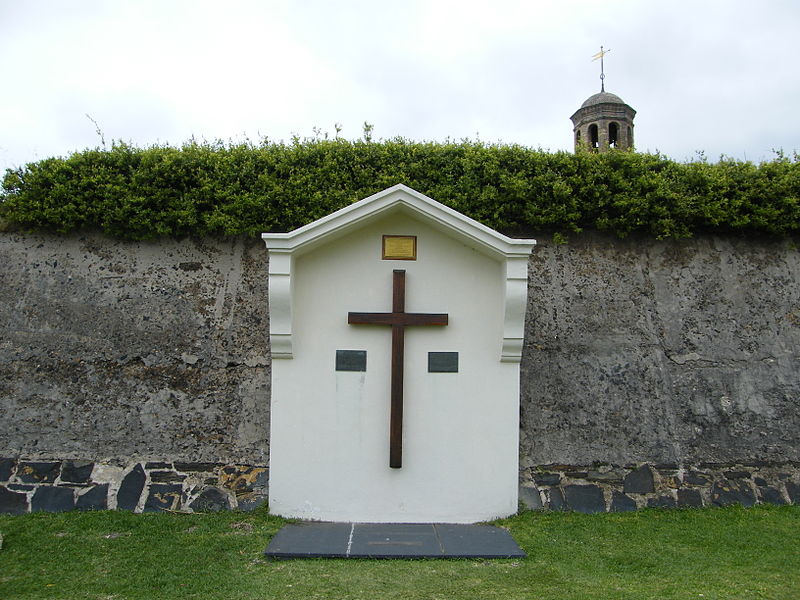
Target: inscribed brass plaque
[399,247]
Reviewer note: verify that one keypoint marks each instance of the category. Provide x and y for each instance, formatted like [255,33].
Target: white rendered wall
[329,443]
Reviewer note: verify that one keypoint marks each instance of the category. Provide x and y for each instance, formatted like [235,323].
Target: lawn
[704,554]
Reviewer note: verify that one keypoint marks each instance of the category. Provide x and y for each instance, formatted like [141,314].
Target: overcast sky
[719,76]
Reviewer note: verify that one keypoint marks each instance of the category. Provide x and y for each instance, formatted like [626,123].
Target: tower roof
[602,97]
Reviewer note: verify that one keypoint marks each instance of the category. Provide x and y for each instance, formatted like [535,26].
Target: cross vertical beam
[398,360]
[398,319]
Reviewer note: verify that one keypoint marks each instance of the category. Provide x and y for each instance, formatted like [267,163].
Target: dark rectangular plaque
[442,362]
[351,360]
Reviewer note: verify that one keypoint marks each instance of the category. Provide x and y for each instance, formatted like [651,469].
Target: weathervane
[600,55]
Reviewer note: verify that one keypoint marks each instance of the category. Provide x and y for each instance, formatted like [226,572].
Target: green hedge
[234,189]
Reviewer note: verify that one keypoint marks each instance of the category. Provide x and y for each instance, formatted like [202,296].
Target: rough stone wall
[663,352]
[113,351]
[653,374]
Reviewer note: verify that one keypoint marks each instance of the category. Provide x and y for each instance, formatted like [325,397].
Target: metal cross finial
[600,55]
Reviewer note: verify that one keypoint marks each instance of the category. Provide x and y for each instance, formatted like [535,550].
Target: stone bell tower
[603,121]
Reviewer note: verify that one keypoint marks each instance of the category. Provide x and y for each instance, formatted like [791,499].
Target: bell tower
[603,121]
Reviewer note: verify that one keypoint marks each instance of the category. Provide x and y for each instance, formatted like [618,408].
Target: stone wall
[679,358]
[55,486]
[663,352]
[675,362]
[115,351]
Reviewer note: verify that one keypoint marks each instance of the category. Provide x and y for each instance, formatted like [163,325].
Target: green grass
[705,554]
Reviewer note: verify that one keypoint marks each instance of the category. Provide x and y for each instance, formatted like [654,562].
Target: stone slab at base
[392,540]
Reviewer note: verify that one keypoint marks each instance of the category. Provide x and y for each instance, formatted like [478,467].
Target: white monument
[396,327]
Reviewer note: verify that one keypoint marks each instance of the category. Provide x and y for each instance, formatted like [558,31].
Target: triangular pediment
[285,248]
[398,198]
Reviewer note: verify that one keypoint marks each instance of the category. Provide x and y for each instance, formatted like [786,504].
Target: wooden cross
[399,319]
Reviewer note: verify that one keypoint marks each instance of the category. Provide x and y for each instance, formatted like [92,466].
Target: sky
[713,76]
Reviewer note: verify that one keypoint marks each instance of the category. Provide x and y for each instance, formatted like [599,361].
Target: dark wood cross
[399,319]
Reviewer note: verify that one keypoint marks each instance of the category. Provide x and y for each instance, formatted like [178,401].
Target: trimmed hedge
[245,189]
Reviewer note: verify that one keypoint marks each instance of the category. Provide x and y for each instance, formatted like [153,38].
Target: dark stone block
[6,468]
[793,490]
[53,499]
[38,472]
[639,481]
[351,360]
[666,467]
[251,501]
[690,498]
[442,362]
[12,503]
[770,495]
[661,502]
[622,503]
[76,472]
[576,474]
[728,492]
[261,482]
[760,481]
[211,500]
[166,477]
[611,477]
[244,479]
[530,498]
[21,487]
[696,478]
[163,496]
[131,489]
[737,475]
[194,467]
[585,498]
[96,498]
[557,499]
[157,465]
[547,478]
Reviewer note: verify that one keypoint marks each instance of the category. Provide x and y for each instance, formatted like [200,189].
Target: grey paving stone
[392,540]
[477,541]
[310,540]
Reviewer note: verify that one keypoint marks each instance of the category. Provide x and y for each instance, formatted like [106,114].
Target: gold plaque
[399,247]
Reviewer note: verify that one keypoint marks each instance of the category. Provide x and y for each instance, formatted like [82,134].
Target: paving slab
[392,540]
